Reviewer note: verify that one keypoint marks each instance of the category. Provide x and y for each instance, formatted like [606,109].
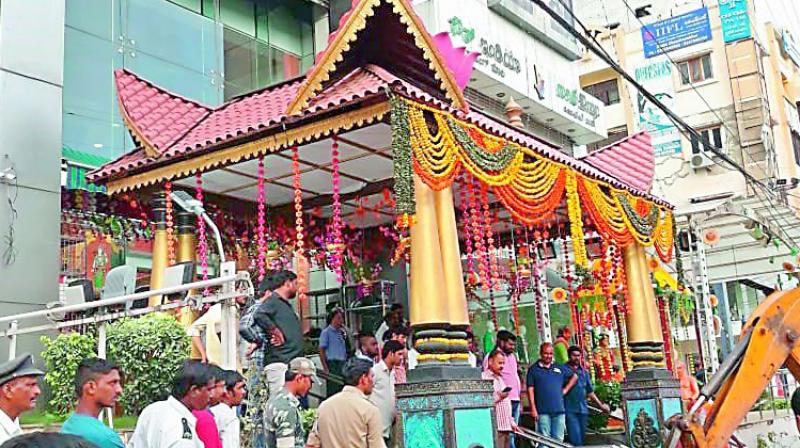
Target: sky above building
[783,13]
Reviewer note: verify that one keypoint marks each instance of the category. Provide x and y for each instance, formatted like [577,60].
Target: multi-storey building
[58,103]
[732,76]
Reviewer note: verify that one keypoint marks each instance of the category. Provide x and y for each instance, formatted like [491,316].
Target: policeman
[282,420]
[19,389]
[170,423]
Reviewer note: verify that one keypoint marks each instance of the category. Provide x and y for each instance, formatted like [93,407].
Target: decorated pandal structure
[382,116]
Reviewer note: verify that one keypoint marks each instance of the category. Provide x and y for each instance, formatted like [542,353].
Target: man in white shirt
[19,389]
[383,391]
[225,411]
[170,423]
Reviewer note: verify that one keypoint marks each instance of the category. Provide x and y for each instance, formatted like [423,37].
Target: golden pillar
[160,255]
[427,300]
[455,296]
[437,302]
[187,244]
[187,248]
[644,327]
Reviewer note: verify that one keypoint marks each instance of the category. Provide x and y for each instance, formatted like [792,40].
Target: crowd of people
[557,393]
[205,404]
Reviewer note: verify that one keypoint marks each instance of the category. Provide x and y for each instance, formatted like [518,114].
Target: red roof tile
[630,160]
[157,116]
[246,114]
[242,115]
[623,165]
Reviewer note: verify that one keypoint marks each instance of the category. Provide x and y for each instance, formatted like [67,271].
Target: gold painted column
[427,299]
[160,255]
[437,303]
[454,295]
[187,249]
[644,327]
[187,244]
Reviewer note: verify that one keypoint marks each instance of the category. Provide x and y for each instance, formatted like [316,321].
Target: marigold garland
[576,221]
[530,186]
[491,252]
[170,218]
[336,219]
[298,214]
[466,193]
[202,243]
[261,236]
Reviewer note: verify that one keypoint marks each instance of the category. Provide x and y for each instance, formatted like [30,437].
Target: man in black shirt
[277,318]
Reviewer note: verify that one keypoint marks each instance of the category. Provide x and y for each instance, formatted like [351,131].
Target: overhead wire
[722,122]
[680,124]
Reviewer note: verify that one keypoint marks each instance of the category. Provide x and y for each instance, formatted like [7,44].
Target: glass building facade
[205,50]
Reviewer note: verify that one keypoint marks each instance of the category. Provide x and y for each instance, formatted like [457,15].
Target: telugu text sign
[735,21]
[656,77]
[675,33]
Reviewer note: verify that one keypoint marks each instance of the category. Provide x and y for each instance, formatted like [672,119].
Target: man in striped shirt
[502,403]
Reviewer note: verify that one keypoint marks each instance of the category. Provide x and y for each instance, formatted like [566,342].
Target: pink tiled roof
[157,116]
[244,115]
[630,160]
[627,164]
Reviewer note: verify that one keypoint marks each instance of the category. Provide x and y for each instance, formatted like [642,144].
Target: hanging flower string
[529,185]
[466,191]
[298,215]
[537,282]
[202,244]
[665,332]
[477,234]
[261,236]
[491,253]
[170,218]
[336,219]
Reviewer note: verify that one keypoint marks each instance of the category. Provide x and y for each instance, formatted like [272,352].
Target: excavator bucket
[769,339]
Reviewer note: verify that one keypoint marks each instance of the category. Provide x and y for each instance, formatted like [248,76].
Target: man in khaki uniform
[19,389]
[348,419]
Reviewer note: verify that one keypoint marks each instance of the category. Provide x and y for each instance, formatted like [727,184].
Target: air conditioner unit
[701,160]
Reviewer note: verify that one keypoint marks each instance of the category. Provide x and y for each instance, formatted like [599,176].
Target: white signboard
[500,44]
[655,75]
[572,102]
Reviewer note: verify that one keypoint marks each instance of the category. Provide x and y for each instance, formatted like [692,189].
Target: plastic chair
[120,281]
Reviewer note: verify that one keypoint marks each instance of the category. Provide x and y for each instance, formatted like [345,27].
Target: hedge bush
[61,358]
[150,350]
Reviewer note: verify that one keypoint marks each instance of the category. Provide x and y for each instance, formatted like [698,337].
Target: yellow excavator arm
[770,339]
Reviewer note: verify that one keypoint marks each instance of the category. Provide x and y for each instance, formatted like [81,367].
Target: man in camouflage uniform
[282,422]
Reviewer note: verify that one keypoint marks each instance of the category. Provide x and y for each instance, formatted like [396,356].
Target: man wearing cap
[19,389]
[282,421]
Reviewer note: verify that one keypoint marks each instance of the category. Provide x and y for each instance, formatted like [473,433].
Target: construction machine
[770,339]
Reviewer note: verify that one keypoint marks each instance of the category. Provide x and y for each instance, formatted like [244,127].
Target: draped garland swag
[436,146]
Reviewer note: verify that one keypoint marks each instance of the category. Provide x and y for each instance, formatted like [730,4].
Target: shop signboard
[676,32]
[656,77]
[496,40]
[735,21]
[577,105]
[790,47]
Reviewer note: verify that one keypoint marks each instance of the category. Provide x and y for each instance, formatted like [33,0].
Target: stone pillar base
[457,412]
[649,397]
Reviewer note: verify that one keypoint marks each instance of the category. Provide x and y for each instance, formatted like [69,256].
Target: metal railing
[226,295]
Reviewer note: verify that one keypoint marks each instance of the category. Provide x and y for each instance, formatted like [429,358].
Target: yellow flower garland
[576,221]
[526,184]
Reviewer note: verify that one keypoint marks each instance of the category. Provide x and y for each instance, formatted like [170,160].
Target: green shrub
[61,358]
[150,351]
[609,393]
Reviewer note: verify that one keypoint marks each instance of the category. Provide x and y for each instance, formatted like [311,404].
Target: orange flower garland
[302,282]
[529,185]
